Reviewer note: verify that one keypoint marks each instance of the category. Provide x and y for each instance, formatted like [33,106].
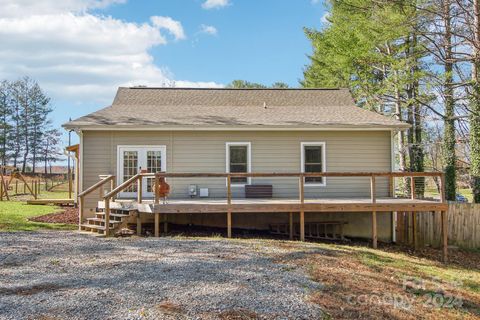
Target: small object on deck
[163,189]
[259,191]
[124,232]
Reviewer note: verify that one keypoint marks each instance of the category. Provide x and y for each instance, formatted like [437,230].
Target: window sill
[306,185]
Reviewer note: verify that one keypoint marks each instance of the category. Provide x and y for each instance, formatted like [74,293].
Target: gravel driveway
[68,275]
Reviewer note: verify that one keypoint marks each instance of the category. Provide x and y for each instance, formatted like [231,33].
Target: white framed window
[239,160]
[313,160]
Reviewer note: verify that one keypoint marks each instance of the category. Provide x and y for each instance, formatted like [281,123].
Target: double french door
[132,159]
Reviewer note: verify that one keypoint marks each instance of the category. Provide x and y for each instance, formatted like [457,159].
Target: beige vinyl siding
[203,151]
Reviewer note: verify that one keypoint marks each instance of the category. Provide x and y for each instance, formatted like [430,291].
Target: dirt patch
[170,308]
[66,216]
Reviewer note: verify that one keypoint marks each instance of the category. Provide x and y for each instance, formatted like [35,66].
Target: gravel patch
[69,275]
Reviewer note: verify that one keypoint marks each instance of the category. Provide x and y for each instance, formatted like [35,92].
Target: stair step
[102,220]
[117,215]
[96,227]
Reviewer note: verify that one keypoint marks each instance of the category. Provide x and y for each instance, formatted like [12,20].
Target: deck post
[157,224]
[139,189]
[107,217]
[442,188]
[112,185]
[229,206]
[302,212]
[374,212]
[414,215]
[81,206]
[444,236]
[412,188]
[290,225]
[157,183]
[165,223]
[139,225]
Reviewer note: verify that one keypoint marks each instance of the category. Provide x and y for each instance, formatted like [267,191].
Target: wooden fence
[463,226]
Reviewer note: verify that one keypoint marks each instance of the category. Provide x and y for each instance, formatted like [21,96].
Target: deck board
[214,205]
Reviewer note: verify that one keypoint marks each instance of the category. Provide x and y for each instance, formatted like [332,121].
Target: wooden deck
[300,204]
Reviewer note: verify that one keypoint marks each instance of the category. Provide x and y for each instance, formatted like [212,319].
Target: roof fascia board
[236,128]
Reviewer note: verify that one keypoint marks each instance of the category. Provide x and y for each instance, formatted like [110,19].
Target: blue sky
[80,51]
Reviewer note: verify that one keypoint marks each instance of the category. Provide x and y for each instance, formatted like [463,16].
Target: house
[214,144]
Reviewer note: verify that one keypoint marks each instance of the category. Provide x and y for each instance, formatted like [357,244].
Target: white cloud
[19,8]
[314,1]
[172,26]
[208,29]
[324,18]
[78,56]
[212,4]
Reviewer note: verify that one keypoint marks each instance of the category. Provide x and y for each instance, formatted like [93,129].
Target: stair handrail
[81,196]
[112,194]
[122,186]
[103,180]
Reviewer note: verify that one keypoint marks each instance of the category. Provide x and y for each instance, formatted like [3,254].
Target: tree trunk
[475,107]
[449,157]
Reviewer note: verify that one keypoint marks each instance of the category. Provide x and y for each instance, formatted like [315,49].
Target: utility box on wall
[203,192]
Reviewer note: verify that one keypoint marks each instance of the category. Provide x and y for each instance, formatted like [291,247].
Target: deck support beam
[374,230]
[107,217]
[229,224]
[444,236]
[157,225]
[229,206]
[139,225]
[165,223]
[290,225]
[81,208]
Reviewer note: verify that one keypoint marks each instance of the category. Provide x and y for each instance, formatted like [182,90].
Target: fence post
[444,236]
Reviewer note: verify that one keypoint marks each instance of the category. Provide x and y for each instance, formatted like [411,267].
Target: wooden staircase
[119,218]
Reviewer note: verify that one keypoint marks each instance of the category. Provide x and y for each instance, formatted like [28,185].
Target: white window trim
[249,160]
[162,148]
[324,161]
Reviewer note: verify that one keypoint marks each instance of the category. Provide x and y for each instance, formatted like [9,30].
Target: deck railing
[138,178]
[301,189]
[104,179]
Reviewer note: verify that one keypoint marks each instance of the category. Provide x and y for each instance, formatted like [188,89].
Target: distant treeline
[27,138]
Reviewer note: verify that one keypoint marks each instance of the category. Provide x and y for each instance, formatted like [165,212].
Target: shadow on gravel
[30,290]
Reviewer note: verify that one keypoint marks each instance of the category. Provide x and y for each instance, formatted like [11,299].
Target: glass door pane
[154,164]
[130,168]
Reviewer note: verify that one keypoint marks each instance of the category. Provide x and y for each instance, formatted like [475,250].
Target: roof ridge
[233,89]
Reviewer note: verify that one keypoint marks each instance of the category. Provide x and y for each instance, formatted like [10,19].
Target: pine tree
[5,121]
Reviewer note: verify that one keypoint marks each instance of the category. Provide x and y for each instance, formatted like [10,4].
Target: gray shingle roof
[185,107]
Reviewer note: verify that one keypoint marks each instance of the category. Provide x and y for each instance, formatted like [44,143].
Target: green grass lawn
[14,217]
[432,192]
